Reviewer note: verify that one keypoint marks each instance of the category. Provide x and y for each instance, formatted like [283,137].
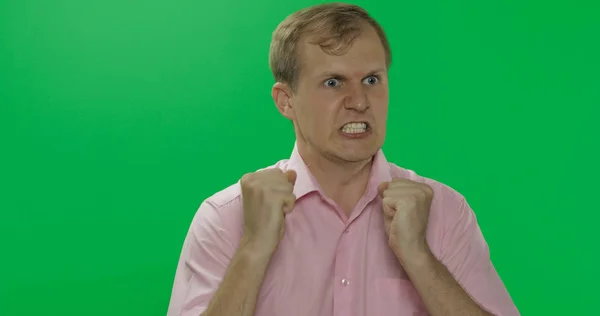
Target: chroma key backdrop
[117,118]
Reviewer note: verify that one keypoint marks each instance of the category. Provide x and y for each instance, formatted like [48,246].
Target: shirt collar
[306,183]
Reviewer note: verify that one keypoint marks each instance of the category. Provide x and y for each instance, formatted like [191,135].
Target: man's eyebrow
[378,70]
[335,75]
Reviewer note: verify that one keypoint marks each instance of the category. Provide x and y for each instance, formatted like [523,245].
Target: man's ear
[282,95]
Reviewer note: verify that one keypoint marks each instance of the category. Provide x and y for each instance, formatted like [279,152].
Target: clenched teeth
[354,128]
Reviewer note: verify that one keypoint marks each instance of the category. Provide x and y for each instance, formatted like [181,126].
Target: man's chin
[356,156]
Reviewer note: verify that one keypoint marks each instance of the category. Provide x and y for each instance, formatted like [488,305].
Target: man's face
[340,105]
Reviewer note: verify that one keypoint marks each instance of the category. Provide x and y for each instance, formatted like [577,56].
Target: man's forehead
[316,61]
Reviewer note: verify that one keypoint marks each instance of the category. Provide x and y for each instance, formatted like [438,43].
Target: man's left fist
[406,212]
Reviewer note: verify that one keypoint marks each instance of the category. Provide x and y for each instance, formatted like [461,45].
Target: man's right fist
[267,197]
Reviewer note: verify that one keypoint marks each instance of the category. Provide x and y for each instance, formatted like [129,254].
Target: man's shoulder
[233,192]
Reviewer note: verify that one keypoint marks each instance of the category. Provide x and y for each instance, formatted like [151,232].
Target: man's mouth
[355,128]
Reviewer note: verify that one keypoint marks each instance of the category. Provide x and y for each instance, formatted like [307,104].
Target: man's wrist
[418,254]
[256,249]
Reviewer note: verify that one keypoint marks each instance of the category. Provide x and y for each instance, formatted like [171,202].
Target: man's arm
[210,246]
[439,291]
[459,279]
[219,272]
[238,293]
[229,245]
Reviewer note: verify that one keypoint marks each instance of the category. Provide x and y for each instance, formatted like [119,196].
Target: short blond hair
[334,26]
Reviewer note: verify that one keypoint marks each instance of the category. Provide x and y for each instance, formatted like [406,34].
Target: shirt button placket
[343,284]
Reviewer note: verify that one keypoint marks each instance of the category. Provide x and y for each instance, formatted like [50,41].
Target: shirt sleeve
[466,255]
[207,251]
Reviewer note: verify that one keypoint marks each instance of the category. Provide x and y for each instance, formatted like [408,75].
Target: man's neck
[343,182]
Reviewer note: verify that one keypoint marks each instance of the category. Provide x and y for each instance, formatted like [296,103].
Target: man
[336,229]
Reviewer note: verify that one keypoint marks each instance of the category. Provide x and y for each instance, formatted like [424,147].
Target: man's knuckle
[246,179]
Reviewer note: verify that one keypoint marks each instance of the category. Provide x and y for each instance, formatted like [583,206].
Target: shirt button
[345,282]
[347,230]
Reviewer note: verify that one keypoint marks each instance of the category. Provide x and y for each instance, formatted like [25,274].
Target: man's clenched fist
[267,197]
[406,206]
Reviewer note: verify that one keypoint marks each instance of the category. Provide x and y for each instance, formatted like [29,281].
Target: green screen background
[117,118]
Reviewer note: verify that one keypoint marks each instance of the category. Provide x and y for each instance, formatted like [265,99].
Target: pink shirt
[330,264]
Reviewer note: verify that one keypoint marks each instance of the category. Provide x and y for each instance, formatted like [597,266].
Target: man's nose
[357,100]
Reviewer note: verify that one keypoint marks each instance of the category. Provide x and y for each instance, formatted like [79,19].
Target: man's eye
[371,80]
[332,83]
